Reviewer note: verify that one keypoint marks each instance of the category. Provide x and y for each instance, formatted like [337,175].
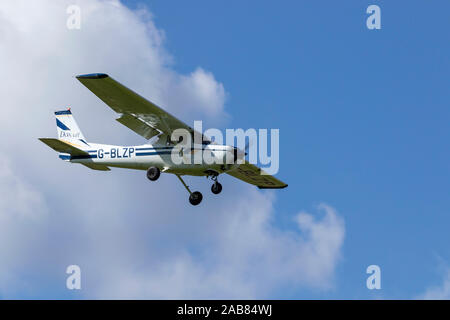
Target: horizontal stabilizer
[95,166]
[63,147]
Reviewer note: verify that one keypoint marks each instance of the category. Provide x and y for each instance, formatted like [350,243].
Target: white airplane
[149,121]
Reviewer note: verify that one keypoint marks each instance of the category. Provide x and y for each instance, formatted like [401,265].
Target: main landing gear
[153,173]
[194,197]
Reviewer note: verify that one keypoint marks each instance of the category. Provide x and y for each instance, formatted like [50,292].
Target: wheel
[153,173]
[216,188]
[195,198]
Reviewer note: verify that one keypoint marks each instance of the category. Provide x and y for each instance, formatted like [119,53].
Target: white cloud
[131,238]
[205,91]
[19,200]
[23,215]
[441,292]
[241,255]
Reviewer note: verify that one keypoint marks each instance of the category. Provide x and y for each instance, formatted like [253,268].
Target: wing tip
[92,76]
[273,187]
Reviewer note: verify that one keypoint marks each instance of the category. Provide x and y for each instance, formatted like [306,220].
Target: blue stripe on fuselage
[90,156]
[157,148]
[152,153]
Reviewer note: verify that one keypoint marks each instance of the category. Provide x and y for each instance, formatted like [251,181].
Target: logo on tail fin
[67,127]
[61,125]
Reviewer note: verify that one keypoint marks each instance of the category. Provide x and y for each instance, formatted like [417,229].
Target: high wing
[140,115]
[250,173]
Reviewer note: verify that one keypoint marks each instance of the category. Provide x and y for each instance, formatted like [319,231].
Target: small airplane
[149,121]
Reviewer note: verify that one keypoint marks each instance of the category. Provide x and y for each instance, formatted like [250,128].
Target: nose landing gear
[216,188]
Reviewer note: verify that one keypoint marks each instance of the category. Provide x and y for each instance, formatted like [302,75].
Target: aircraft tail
[68,129]
[71,143]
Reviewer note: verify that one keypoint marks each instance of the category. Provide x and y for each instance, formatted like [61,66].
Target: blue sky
[363,118]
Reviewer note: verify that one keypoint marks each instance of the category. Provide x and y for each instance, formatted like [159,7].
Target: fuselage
[193,161]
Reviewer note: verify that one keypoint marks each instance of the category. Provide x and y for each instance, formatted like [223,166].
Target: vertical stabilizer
[68,129]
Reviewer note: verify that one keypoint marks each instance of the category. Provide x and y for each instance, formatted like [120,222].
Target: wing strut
[184,184]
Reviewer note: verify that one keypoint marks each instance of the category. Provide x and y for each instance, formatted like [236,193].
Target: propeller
[246,148]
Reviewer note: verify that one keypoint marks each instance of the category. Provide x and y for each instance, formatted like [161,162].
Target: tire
[216,188]
[195,198]
[153,173]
